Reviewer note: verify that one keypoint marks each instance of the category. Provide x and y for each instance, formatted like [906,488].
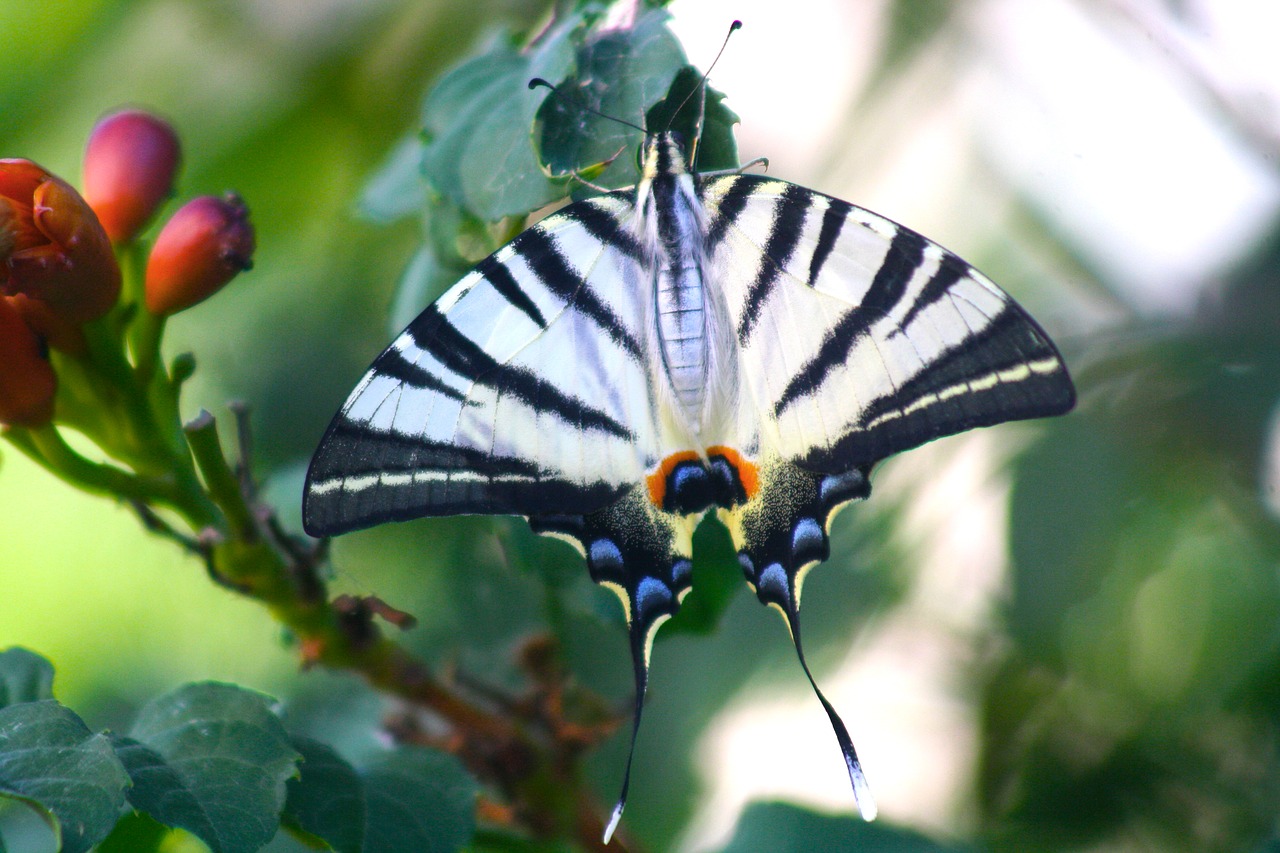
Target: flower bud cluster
[58,253]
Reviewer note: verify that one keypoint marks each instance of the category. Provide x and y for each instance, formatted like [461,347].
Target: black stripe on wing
[392,363]
[548,263]
[784,236]
[1008,371]
[607,228]
[904,257]
[497,274]
[731,205]
[833,220]
[361,477]
[950,271]
[433,333]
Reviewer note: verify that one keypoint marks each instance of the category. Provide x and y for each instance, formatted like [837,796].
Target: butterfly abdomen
[684,313]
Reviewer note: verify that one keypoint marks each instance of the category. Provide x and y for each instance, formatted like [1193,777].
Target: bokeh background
[1048,636]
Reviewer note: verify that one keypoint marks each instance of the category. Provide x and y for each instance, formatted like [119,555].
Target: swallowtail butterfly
[633,361]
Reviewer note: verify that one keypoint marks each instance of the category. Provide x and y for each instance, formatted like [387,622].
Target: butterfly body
[669,219]
[732,343]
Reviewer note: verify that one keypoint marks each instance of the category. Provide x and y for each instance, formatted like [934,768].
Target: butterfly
[625,366]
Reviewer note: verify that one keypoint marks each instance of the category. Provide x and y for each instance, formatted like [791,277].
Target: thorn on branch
[244,443]
[155,524]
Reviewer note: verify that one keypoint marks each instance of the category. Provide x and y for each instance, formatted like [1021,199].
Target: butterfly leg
[642,554]
[780,535]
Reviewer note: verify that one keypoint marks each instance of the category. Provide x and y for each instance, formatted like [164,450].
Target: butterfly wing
[524,389]
[861,338]
[857,339]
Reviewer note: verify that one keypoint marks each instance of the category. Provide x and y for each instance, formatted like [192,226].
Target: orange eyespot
[657,481]
[748,473]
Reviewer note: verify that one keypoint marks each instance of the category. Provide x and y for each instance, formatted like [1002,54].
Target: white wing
[859,338]
[524,389]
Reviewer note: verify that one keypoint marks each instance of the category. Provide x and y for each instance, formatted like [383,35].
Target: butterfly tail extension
[782,534]
[641,554]
[861,790]
[640,663]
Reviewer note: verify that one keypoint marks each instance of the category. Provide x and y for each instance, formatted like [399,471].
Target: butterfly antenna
[537,82]
[702,89]
[861,790]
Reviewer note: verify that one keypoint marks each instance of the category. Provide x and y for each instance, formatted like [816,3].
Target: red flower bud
[54,248]
[48,326]
[27,382]
[202,247]
[129,167]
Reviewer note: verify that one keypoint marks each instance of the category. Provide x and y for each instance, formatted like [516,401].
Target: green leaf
[158,790]
[478,122]
[24,677]
[52,762]
[619,74]
[418,799]
[679,111]
[455,242]
[135,833]
[327,800]
[784,828]
[225,749]
[717,578]
[398,188]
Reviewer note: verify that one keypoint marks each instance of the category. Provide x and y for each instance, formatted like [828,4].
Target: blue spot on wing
[605,555]
[773,583]
[652,595]
[807,536]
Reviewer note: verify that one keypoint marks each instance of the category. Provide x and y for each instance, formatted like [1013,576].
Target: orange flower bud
[202,247]
[48,326]
[27,382]
[129,167]
[56,250]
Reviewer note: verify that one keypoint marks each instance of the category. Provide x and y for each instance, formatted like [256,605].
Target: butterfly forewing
[524,389]
[859,338]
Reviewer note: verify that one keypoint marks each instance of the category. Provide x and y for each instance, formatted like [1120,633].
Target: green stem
[47,448]
[126,426]
[144,330]
[144,343]
[222,484]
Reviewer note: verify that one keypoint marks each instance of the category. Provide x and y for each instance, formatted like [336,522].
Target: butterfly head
[663,153]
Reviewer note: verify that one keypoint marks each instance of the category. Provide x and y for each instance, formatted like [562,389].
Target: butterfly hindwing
[525,388]
[643,554]
[781,533]
[856,339]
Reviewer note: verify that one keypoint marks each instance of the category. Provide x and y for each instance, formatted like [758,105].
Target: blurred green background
[1061,635]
